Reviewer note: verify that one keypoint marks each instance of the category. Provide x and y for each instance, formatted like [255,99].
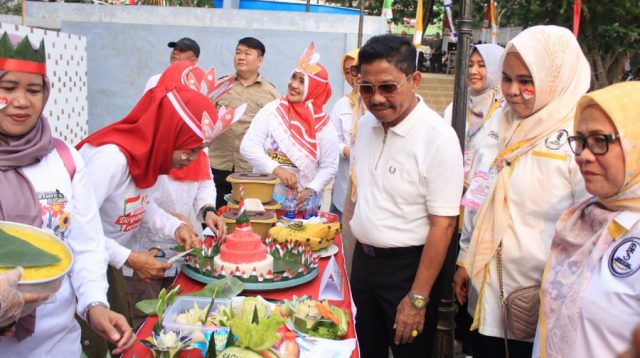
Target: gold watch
[417,301]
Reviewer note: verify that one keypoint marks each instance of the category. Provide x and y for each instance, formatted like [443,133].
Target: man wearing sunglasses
[408,171]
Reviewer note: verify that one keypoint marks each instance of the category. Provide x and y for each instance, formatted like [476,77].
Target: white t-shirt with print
[123,206]
[69,210]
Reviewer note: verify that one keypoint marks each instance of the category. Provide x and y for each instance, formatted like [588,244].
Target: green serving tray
[259,286]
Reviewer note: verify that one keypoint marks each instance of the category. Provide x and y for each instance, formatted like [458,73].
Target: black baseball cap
[186,44]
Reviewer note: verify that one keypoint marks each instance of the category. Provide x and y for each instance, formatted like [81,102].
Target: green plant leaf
[17,252]
[279,265]
[227,287]
[148,306]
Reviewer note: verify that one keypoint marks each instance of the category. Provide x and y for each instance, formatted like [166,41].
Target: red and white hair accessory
[307,63]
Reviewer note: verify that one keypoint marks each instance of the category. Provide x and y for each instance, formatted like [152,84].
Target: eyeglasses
[384,89]
[354,71]
[598,144]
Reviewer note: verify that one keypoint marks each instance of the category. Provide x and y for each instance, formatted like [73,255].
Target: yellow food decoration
[313,236]
[47,244]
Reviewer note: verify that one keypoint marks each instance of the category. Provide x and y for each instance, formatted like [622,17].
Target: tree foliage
[609,30]
[401,8]
[10,7]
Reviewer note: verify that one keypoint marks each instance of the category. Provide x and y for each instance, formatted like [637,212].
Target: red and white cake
[243,251]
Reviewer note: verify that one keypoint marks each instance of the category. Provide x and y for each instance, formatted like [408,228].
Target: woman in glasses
[530,179]
[290,137]
[591,290]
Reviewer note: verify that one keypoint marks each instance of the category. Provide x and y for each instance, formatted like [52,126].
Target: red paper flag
[577,8]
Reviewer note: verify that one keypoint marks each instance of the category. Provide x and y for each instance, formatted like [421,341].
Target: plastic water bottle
[290,203]
[311,207]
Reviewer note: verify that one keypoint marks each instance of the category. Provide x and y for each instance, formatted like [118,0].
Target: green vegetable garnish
[17,252]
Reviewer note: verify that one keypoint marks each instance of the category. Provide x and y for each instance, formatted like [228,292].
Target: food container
[261,222]
[272,205]
[183,304]
[255,185]
[51,283]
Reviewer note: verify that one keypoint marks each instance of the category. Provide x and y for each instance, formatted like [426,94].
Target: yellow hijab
[353,95]
[621,102]
[585,232]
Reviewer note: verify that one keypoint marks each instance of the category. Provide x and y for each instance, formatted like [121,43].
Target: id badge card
[478,188]
[468,160]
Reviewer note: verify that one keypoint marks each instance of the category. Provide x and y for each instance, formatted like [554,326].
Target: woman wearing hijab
[483,114]
[45,184]
[485,101]
[290,137]
[164,130]
[183,191]
[590,290]
[530,183]
[343,117]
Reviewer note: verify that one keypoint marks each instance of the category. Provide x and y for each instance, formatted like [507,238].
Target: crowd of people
[546,188]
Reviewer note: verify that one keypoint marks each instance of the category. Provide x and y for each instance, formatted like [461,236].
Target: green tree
[609,30]
[10,7]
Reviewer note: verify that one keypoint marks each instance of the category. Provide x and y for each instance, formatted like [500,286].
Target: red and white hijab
[168,117]
[299,122]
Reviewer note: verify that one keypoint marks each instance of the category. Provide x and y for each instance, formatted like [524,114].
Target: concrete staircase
[437,90]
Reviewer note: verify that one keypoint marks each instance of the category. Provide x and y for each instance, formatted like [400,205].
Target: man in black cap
[184,49]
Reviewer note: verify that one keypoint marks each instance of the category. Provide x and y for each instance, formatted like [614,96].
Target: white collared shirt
[610,302]
[412,171]
[610,305]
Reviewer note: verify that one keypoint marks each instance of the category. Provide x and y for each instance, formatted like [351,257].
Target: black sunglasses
[384,89]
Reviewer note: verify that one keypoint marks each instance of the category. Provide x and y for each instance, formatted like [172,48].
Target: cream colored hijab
[561,75]
[584,233]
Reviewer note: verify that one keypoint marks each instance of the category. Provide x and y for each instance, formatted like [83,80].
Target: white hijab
[561,75]
[480,102]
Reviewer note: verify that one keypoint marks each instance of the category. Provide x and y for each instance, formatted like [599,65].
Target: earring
[184,156]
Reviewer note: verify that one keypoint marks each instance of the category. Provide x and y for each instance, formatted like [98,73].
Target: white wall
[127,44]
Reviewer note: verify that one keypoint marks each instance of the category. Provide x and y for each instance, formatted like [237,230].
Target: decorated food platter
[260,266]
[256,286]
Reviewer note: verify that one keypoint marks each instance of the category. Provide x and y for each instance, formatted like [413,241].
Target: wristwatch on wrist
[91,306]
[417,301]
